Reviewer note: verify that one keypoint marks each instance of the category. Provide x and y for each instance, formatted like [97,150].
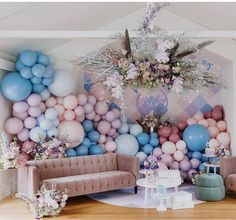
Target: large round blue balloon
[87,125]
[96,149]
[143,138]
[15,88]
[71,152]
[81,150]
[147,149]
[154,141]
[28,57]
[94,136]
[196,137]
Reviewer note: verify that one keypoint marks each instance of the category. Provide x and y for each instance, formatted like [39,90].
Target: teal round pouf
[210,187]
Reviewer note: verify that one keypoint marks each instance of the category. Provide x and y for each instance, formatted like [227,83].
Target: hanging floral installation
[150,64]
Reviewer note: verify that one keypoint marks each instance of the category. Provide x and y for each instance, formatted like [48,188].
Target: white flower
[162,56]
[132,72]
[177,86]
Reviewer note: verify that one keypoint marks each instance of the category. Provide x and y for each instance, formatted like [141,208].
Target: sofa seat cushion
[93,183]
[230,182]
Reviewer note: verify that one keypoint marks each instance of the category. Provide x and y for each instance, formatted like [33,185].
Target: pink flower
[147,76]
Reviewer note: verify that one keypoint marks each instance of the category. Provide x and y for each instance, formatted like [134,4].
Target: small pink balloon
[207,115]
[88,107]
[60,109]
[79,110]
[103,117]
[211,122]
[217,115]
[109,139]
[111,132]
[100,92]
[69,115]
[159,131]
[151,158]
[185,165]
[110,116]
[102,139]
[59,100]
[174,130]
[115,135]
[223,138]
[104,127]
[194,163]
[92,99]
[167,159]
[175,165]
[204,123]
[191,173]
[82,99]
[222,126]
[13,125]
[34,99]
[34,111]
[218,108]
[116,123]
[213,131]
[30,122]
[166,131]
[51,102]
[191,121]
[42,106]
[213,143]
[21,115]
[23,135]
[80,118]
[28,146]
[116,112]
[174,138]
[101,108]
[162,139]
[20,107]
[157,152]
[198,116]
[182,125]
[95,124]
[97,118]
[70,102]
[61,118]
[91,115]
[162,166]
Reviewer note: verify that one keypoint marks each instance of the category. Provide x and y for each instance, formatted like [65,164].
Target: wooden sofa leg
[136,189]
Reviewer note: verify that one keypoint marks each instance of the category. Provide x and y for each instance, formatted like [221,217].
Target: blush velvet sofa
[81,175]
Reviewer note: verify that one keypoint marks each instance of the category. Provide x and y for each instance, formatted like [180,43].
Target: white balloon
[56,122]
[168,147]
[141,156]
[46,124]
[63,84]
[53,132]
[110,146]
[45,94]
[135,129]
[37,134]
[51,114]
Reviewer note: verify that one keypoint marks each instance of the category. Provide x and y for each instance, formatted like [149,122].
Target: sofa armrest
[129,163]
[227,166]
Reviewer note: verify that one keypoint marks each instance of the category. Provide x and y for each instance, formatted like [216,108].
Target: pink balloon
[191,121]
[162,166]
[20,107]
[195,163]
[151,158]
[218,108]
[91,115]
[109,139]
[88,107]
[157,151]
[115,135]
[110,116]
[217,115]
[213,143]
[162,140]
[116,124]
[213,131]
[34,111]
[223,138]
[198,116]
[104,127]
[79,110]
[59,100]
[60,109]
[30,122]
[21,115]
[101,108]
[102,139]
[82,99]
[92,99]
[97,118]
[28,146]
[204,123]
[207,115]
[166,131]
[185,165]
[70,102]
[61,118]
[178,155]
[175,165]
[116,112]
[191,174]
[69,115]
[166,159]
[51,102]
[222,126]
[174,138]
[34,99]
[174,130]
[13,125]
[23,135]
[211,122]
[42,106]
[111,132]
[100,92]
[80,118]
[182,125]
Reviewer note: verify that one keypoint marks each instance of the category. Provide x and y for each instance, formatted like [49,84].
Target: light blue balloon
[147,149]
[51,114]
[124,129]
[94,136]
[37,134]
[154,141]
[87,125]
[197,155]
[47,81]
[81,150]
[95,150]
[201,167]
[52,133]
[19,65]
[46,124]
[141,156]
[71,152]
[153,135]
[15,88]
[38,70]
[204,159]
[26,72]
[86,142]
[49,72]
[40,118]
[36,80]
[189,155]
[28,57]
[196,137]
[38,88]
[135,129]
[143,138]
[43,59]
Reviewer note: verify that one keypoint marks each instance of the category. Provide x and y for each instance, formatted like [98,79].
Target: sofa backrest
[54,168]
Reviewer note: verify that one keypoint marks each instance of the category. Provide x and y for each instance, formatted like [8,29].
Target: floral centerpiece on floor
[48,202]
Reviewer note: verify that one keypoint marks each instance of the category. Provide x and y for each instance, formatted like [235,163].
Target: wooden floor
[86,208]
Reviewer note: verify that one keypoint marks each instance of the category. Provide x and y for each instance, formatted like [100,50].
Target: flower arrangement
[151,165]
[12,155]
[48,202]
